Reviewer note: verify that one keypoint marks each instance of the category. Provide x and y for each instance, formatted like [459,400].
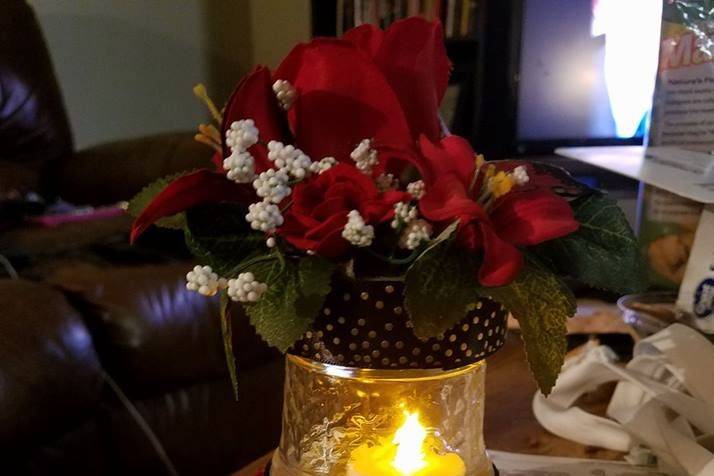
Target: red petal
[198,188]
[393,196]
[452,155]
[332,245]
[366,37]
[447,200]
[395,161]
[382,209]
[350,175]
[413,58]
[217,159]
[342,98]
[534,216]
[335,222]
[469,236]
[324,239]
[501,260]
[329,207]
[254,99]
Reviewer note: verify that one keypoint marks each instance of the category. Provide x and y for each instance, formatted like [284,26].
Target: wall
[126,68]
[277,26]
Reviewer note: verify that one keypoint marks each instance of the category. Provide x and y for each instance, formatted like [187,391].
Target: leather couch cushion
[34,131]
[117,171]
[240,431]
[79,452]
[152,334]
[50,377]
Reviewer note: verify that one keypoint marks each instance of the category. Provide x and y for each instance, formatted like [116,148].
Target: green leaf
[603,252]
[445,235]
[438,288]
[542,304]
[314,277]
[296,292]
[227,333]
[219,236]
[147,194]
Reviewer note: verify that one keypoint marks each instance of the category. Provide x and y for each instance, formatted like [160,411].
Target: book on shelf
[457,16]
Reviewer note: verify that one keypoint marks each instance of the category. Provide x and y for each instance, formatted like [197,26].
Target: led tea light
[408,453]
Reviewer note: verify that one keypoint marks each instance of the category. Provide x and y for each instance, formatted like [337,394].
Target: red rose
[315,220]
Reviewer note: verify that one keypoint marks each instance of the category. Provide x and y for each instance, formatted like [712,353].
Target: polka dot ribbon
[365,325]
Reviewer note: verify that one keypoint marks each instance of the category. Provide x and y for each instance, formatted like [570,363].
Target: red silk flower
[520,218]
[412,57]
[318,214]
[197,188]
[369,84]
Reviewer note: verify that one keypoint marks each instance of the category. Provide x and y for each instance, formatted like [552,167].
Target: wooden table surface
[510,424]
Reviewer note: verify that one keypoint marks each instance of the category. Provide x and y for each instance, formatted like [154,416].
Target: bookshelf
[463,22]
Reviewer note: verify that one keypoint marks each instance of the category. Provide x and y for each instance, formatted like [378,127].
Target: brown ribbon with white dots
[364,324]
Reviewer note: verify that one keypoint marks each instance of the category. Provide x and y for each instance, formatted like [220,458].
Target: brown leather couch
[107,364]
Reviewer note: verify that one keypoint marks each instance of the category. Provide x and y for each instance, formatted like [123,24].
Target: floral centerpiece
[336,195]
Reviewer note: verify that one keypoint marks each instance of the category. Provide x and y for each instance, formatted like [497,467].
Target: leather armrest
[50,376]
[116,171]
[152,334]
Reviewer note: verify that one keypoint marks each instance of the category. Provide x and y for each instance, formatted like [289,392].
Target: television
[581,72]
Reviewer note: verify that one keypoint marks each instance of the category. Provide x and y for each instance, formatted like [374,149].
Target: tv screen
[587,70]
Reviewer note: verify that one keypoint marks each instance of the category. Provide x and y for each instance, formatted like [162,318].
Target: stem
[396,261]
[286,206]
[473,180]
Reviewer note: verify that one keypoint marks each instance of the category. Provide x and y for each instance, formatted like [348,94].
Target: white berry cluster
[404,214]
[365,156]
[285,92]
[203,280]
[323,165]
[416,232]
[245,288]
[520,175]
[242,135]
[272,185]
[240,166]
[289,159]
[386,182]
[356,231]
[264,216]
[416,189]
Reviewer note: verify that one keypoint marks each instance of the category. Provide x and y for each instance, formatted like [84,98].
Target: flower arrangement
[336,163]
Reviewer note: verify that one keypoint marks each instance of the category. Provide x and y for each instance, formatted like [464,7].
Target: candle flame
[409,439]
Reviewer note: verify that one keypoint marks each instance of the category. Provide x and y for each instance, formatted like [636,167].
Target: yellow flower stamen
[203,139]
[210,131]
[500,184]
[479,160]
[200,92]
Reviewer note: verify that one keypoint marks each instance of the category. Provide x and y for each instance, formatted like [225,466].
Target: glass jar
[338,420]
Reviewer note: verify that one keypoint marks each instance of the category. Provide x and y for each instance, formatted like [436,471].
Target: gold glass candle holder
[345,421]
